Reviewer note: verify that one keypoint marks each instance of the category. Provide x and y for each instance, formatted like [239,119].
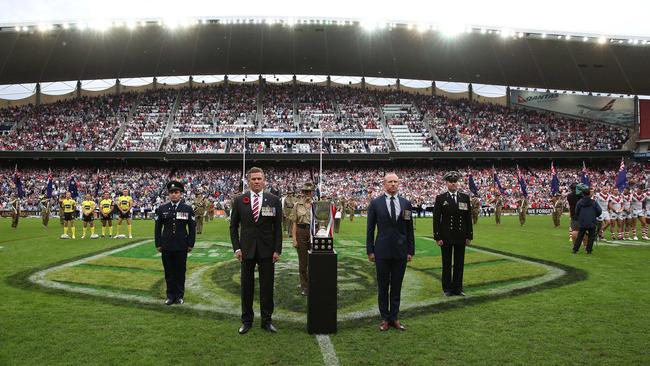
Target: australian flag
[584,179]
[621,179]
[522,183]
[555,183]
[72,188]
[50,185]
[19,184]
[497,183]
[472,185]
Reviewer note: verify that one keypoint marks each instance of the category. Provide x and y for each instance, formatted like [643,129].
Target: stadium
[103,118]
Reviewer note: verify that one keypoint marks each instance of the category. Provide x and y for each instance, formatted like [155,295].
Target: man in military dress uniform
[44,203]
[199,212]
[452,231]
[300,216]
[523,210]
[558,208]
[476,208]
[175,232]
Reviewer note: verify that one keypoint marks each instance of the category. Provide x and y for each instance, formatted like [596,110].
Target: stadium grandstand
[527,113]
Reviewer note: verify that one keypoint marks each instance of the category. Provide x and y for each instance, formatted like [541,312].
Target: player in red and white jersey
[627,212]
[636,210]
[602,198]
[616,213]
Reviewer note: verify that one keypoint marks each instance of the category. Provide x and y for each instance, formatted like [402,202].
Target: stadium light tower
[451,29]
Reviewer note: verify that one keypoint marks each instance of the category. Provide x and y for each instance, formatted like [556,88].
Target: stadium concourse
[288,118]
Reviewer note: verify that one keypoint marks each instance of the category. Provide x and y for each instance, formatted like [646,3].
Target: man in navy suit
[391,249]
[452,231]
[256,236]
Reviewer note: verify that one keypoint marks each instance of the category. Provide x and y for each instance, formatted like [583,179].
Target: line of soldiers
[203,211]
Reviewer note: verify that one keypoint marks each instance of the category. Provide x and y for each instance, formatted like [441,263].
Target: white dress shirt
[398,209]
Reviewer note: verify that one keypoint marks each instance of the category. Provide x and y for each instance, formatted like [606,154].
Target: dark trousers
[452,282]
[591,232]
[266,269]
[390,273]
[175,263]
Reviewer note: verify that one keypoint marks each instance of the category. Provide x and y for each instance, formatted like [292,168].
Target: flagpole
[243,172]
[320,174]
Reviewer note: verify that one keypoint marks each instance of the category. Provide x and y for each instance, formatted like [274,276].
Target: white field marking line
[552,274]
[228,308]
[327,350]
[617,243]
[233,309]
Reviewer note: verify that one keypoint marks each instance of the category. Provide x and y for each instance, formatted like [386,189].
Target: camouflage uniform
[475,203]
[523,210]
[15,211]
[300,216]
[558,208]
[199,212]
[287,222]
[498,207]
[45,209]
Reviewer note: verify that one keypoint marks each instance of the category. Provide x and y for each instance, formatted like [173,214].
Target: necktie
[392,208]
[453,195]
[256,207]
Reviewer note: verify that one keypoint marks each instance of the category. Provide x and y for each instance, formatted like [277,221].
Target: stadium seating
[354,120]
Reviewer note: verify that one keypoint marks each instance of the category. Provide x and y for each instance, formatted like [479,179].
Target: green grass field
[531,302]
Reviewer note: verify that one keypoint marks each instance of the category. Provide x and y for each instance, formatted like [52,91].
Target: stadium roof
[477,55]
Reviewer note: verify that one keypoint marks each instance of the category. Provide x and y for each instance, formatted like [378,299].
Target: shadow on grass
[572,275]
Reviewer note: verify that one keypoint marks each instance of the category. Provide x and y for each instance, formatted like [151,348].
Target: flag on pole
[522,183]
[20,192]
[472,185]
[72,188]
[50,185]
[555,183]
[584,179]
[497,182]
[621,180]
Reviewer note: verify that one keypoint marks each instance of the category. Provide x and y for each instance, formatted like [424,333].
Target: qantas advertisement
[617,111]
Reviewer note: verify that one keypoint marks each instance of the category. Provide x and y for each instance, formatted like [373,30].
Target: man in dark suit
[452,231]
[391,249]
[256,236]
[174,237]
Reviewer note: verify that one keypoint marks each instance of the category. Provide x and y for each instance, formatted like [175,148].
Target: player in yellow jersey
[124,204]
[69,207]
[88,215]
[106,209]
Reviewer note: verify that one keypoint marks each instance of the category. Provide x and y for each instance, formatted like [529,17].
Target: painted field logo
[134,273]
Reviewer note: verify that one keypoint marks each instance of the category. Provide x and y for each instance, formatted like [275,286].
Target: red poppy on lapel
[246,200]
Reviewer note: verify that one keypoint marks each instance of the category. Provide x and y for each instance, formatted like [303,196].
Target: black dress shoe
[244,328]
[179,301]
[269,327]
[169,301]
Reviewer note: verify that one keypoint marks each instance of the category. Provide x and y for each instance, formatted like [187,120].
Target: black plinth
[321,299]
